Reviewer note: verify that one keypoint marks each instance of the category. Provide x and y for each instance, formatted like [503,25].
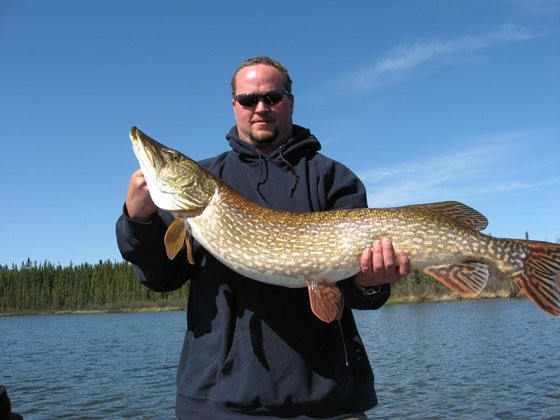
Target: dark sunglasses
[270,98]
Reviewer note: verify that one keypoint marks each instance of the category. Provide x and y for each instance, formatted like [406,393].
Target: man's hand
[380,265]
[139,204]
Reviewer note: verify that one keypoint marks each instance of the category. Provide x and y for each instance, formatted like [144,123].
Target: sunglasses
[270,98]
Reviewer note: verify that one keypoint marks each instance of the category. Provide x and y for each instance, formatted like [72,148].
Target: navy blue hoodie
[255,348]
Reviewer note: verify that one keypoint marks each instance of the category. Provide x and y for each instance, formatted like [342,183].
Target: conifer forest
[105,286]
[113,287]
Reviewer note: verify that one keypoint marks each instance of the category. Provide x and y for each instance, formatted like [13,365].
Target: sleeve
[355,299]
[345,190]
[141,243]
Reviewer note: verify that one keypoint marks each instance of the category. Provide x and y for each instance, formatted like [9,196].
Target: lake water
[469,359]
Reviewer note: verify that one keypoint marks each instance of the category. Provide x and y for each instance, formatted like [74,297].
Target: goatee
[264,138]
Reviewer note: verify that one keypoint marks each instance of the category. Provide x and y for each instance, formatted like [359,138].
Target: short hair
[286,80]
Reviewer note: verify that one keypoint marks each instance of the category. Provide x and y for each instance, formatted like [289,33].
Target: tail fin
[540,280]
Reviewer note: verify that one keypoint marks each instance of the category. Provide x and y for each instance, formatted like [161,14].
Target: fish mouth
[150,160]
[134,132]
[138,142]
[145,148]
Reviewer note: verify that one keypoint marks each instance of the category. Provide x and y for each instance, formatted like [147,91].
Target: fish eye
[175,157]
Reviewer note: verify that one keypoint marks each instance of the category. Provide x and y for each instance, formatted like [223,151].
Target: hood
[289,154]
[301,143]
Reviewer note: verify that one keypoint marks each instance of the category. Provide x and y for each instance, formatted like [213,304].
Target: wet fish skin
[315,250]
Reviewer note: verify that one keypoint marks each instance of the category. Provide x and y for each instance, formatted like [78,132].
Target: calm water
[481,359]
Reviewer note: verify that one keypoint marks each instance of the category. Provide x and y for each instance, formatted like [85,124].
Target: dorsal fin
[458,212]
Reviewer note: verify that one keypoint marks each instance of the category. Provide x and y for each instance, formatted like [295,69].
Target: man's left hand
[381,265]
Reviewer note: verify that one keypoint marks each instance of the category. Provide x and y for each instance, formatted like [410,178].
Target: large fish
[315,250]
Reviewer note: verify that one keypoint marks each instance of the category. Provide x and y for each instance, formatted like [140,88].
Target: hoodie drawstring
[260,179]
[263,165]
[292,170]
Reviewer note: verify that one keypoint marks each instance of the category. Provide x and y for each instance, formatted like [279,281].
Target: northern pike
[317,249]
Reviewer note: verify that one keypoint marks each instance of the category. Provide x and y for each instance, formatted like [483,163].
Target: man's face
[262,125]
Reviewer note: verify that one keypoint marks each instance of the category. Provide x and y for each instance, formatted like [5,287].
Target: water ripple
[469,360]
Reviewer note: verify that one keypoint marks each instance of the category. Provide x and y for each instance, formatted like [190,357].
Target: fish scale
[318,249]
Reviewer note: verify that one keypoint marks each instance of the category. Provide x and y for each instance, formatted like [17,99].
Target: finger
[377,255]
[404,263]
[366,261]
[388,255]
[138,179]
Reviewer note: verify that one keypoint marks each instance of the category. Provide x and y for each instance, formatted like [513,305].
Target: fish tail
[540,279]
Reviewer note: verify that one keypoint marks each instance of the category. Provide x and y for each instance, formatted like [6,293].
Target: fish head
[176,183]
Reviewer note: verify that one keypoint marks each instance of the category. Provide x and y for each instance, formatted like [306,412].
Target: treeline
[419,287]
[106,286]
[113,286]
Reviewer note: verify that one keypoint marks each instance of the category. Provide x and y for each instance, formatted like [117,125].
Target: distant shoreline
[449,297]
[95,311]
[109,287]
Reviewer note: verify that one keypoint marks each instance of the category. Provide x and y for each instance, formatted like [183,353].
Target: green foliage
[43,288]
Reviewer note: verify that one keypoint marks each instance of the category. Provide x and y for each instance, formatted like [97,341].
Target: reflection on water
[468,359]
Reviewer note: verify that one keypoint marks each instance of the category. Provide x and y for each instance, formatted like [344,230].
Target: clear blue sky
[425,100]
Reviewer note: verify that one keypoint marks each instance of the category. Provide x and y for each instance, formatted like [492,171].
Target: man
[253,348]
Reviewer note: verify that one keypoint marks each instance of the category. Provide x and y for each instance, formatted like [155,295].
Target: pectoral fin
[326,300]
[175,237]
[188,243]
[466,279]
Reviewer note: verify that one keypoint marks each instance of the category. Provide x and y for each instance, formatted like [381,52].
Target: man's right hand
[139,204]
